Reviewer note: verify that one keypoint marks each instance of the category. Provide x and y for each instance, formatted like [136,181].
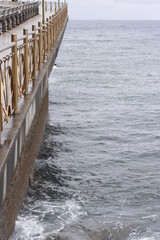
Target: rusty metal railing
[24,58]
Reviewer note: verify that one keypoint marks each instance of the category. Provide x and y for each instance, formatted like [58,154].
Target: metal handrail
[22,38]
[8,47]
[30,33]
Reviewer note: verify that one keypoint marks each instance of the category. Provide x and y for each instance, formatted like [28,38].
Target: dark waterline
[97,172]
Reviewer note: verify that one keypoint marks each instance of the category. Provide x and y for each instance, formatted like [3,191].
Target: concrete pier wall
[21,140]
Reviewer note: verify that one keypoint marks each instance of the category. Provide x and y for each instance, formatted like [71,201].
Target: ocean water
[97,175]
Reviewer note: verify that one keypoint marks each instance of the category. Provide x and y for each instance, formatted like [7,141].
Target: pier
[26,60]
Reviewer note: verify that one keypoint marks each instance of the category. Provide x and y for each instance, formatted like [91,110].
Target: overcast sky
[114,9]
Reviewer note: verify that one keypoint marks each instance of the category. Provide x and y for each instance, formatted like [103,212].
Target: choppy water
[98,172]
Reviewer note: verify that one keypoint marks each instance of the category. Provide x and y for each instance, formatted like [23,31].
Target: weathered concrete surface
[20,144]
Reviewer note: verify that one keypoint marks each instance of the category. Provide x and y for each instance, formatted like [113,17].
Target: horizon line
[74,19]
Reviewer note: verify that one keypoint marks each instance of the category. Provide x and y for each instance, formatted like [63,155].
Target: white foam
[143,238]
[28,228]
[55,67]
[46,218]
[152,217]
[147,238]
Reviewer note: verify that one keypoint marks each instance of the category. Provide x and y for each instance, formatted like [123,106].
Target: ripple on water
[97,173]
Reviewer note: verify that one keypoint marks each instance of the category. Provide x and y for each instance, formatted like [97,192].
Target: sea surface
[97,175]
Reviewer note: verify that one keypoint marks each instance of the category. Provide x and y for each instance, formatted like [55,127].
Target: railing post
[55,28]
[59,5]
[50,6]
[26,62]
[1,108]
[48,36]
[61,17]
[43,11]
[44,43]
[51,31]
[55,7]
[55,22]
[58,21]
[40,44]
[34,51]
[46,6]
[14,73]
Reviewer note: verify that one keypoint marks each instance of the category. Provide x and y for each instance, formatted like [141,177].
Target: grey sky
[114,9]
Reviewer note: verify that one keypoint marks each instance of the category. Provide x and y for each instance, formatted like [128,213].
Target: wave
[116,232]
[45,218]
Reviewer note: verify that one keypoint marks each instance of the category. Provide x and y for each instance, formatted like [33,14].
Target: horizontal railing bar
[22,38]
[8,47]
[32,32]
